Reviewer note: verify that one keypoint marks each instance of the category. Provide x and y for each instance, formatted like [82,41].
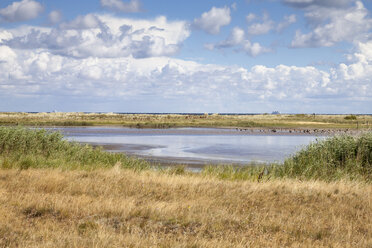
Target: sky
[171,56]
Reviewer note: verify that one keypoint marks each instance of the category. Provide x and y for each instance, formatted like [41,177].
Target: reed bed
[38,148]
[338,157]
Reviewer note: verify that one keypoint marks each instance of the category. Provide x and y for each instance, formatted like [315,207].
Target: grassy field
[122,208]
[173,120]
[59,194]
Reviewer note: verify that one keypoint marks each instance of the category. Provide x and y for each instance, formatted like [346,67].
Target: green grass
[338,157]
[37,148]
[335,158]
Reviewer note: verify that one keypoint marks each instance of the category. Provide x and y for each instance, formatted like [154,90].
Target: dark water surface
[191,145]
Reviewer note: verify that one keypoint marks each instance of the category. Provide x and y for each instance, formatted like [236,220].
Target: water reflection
[191,145]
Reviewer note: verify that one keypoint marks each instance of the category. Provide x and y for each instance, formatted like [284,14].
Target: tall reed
[38,148]
[342,156]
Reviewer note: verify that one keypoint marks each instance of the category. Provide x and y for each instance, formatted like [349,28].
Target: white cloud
[331,25]
[5,35]
[263,27]
[236,37]
[7,54]
[212,21]
[132,7]
[254,49]
[105,36]
[266,24]
[55,17]
[250,17]
[288,20]
[24,72]
[105,57]
[89,21]
[238,40]
[21,11]
[361,66]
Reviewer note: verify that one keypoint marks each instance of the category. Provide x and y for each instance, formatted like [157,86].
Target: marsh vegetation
[57,193]
[338,157]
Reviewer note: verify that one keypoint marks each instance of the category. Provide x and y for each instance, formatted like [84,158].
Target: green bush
[350,117]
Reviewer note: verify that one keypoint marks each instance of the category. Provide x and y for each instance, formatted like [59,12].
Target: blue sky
[248,56]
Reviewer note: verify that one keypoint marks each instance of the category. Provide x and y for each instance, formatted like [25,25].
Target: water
[191,145]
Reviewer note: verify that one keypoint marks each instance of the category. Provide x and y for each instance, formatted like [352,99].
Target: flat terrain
[173,120]
[122,208]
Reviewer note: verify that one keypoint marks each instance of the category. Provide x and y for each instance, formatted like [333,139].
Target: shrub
[350,117]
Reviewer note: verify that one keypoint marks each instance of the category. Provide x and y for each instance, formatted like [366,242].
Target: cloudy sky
[246,56]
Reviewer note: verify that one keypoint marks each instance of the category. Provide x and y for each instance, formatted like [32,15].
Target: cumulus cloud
[89,21]
[360,67]
[236,37]
[21,11]
[287,21]
[250,17]
[212,21]
[238,40]
[103,57]
[254,49]
[105,36]
[35,72]
[132,6]
[331,24]
[263,27]
[55,17]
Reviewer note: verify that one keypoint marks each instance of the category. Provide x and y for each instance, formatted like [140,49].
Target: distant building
[275,113]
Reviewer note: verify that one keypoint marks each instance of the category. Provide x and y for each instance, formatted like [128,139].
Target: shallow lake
[191,145]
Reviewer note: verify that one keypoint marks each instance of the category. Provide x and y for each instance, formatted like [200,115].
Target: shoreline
[290,122]
[217,130]
[192,163]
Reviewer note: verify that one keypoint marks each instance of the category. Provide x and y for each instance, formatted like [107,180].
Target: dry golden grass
[123,208]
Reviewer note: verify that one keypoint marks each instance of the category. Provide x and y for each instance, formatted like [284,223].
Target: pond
[191,145]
